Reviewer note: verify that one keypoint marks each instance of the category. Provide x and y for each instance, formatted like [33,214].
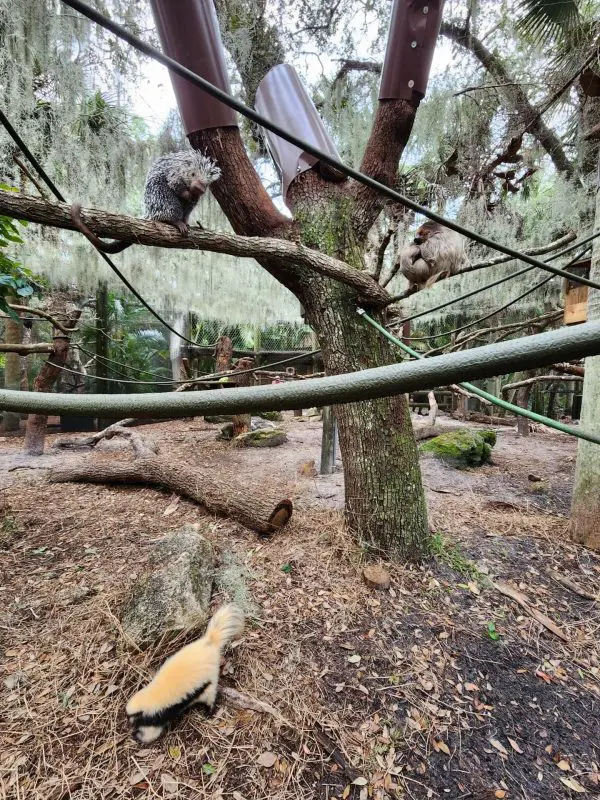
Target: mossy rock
[265,437]
[272,416]
[462,448]
[175,594]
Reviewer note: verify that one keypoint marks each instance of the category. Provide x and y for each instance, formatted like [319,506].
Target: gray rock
[175,594]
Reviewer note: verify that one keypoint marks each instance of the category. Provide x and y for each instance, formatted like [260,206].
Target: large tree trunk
[12,368]
[585,510]
[385,503]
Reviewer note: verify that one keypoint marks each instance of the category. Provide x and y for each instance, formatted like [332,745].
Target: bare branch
[26,349]
[570,369]
[508,387]
[26,172]
[514,95]
[534,251]
[44,314]
[351,65]
[156,234]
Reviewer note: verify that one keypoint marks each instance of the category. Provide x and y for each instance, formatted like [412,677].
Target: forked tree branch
[156,234]
[44,315]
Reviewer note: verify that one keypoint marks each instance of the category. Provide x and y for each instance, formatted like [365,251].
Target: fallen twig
[518,597]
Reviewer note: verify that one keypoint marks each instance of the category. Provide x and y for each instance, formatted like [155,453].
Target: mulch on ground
[440,686]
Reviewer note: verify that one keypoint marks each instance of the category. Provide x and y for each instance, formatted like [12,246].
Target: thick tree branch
[239,191]
[513,93]
[26,349]
[392,127]
[130,229]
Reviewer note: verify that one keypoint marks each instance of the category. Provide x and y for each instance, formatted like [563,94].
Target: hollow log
[255,507]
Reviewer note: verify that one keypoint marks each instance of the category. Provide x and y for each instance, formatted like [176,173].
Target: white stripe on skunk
[187,678]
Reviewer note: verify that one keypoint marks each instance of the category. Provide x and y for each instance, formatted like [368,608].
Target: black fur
[166,715]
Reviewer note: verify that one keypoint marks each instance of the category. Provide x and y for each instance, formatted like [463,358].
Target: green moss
[327,228]
[462,448]
[451,554]
[273,416]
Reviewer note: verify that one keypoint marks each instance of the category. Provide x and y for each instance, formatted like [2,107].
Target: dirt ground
[441,686]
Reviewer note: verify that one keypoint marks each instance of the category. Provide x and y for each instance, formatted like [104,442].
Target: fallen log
[488,419]
[254,507]
[431,431]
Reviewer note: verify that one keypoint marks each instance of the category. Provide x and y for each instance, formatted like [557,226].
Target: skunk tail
[226,623]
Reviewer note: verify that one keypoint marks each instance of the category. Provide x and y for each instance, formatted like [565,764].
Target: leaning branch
[508,387]
[157,234]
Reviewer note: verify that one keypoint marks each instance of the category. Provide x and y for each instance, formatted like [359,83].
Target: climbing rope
[529,352]
[472,389]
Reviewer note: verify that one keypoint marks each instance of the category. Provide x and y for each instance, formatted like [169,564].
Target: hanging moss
[462,448]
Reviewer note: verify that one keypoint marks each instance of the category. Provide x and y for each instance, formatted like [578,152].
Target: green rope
[497,401]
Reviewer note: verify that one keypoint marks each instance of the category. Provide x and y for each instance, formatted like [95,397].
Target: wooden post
[328,442]
[13,332]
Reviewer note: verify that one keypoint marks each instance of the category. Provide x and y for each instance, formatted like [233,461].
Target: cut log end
[282,513]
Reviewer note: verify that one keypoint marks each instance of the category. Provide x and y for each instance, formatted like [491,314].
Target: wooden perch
[255,507]
[26,349]
[158,234]
[508,387]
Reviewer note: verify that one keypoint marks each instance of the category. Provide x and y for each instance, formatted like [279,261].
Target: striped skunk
[187,678]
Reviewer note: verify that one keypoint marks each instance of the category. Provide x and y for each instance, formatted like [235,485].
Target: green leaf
[25,291]
[287,568]
[208,769]
[492,632]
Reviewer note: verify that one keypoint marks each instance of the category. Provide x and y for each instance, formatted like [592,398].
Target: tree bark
[178,371]
[243,422]
[523,394]
[223,354]
[585,508]
[35,433]
[13,331]
[102,369]
[328,442]
[255,507]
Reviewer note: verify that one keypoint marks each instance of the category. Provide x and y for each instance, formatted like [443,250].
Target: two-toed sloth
[436,252]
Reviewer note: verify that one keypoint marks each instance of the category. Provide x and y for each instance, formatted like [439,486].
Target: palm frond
[546,21]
